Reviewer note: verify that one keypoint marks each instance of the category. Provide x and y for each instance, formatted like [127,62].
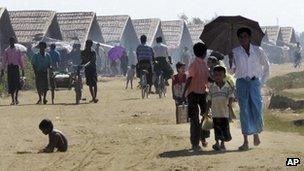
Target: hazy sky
[267,12]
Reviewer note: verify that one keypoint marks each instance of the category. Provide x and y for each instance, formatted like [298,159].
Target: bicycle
[144,86]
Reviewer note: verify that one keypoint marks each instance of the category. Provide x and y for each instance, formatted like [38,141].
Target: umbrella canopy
[221,34]
[116,53]
[60,45]
[21,47]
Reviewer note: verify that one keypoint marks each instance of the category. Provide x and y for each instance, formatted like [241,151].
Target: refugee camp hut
[6,29]
[195,31]
[289,35]
[77,27]
[177,36]
[32,26]
[149,27]
[119,30]
[265,38]
[274,35]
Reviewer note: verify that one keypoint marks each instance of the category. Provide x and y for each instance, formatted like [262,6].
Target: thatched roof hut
[289,35]
[6,29]
[149,27]
[30,26]
[177,37]
[118,29]
[274,34]
[265,38]
[195,31]
[77,27]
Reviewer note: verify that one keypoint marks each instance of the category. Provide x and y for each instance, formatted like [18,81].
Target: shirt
[57,140]
[219,98]
[144,52]
[55,56]
[160,50]
[199,72]
[12,56]
[179,83]
[254,65]
[41,63]
[88,56]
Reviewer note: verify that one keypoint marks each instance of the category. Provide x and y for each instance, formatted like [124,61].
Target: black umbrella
[221,34]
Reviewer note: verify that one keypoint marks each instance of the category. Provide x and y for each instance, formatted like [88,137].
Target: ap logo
[293,161]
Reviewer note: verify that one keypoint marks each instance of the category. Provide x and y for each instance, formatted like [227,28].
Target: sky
[266,12]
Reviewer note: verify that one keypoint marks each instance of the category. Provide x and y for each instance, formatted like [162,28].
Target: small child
[220,99]
[130,75]
[178,83]
[56,138]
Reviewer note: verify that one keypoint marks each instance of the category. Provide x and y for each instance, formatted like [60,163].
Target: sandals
[244,147]
[45,101]
[216,147]
[204,144]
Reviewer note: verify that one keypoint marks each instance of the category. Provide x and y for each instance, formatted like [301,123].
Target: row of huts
[76,27]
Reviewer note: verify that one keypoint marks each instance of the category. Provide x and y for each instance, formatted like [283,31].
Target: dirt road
[123,132]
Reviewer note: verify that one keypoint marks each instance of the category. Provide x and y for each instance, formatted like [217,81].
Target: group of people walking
[205,87]
[43,64]
[208,90]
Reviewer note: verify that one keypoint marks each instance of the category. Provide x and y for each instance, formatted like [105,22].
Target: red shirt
[199,72]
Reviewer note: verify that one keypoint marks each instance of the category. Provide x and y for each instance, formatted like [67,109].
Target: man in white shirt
[251,67]
[161,57]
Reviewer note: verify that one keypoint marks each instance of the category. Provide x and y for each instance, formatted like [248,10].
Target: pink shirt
[12,56]
[199,72]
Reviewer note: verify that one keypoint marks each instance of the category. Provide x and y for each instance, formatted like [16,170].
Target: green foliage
[289,81]
[274,123]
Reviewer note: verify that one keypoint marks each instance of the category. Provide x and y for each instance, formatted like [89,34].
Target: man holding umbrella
[251,67]
[240,38]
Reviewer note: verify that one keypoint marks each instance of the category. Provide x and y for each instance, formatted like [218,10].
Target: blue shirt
[41,63]
[55,56]
[144,52]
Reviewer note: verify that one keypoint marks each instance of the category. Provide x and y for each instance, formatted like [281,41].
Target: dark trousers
[145,65]
[197,105]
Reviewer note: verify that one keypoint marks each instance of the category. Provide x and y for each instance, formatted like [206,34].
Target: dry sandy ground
[124,132]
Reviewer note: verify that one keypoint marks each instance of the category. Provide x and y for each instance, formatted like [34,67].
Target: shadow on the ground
[56,104]
[187,153]
[130,99]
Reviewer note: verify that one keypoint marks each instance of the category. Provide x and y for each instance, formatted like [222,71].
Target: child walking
[196,88]
[220,99]
[178,85]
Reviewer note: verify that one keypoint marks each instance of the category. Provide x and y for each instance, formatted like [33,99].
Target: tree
[184,17]
[197,20]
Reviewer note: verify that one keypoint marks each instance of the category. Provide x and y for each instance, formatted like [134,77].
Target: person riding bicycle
[298,50]
[162,62]
[145,57]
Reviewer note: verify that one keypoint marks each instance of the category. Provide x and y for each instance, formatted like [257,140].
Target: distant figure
[41,63]
[179,82]
[298,57]
[130,75]
[89,57]
[220,99]
[186,57]
[251,67]
[74,56]
[55,56]
[12,61]
[196,89]
[56,139]
[178,85]
[145,57]
[124,64]
[98,51]
[161,57]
